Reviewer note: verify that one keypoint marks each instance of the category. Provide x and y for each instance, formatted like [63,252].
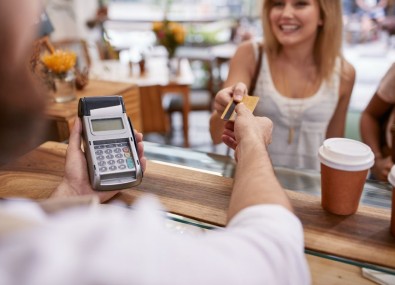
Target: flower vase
[173,65]
[64,86]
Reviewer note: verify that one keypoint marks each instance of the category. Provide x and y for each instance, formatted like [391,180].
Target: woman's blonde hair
[328,44]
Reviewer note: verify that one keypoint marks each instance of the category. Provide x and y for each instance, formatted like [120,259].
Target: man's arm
[255,182]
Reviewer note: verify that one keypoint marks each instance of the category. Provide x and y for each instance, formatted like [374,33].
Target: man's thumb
[241,109]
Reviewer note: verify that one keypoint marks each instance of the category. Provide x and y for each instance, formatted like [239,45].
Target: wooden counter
[362,237]
[62,115]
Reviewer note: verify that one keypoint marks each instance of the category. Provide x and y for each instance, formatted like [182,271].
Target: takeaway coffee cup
[391,179]
[344,167]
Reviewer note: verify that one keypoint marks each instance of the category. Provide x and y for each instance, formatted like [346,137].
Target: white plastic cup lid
[346,154]
[391,176]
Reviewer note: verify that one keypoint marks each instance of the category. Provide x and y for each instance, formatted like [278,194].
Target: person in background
[372,15]
[372,9]
[300,75]
[114,245]
[375,125]
[349,7]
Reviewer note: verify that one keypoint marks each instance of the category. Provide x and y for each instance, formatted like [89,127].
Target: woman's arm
[336,127]
[241,70]
[370,133]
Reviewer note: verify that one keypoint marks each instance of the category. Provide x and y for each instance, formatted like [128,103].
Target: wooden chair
[153,116]
[199,100]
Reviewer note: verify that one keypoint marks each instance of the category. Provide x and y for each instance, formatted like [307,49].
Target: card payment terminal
[109,143]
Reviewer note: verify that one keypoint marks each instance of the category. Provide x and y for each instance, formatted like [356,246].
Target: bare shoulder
[347,71]
[246,50]
[246,56]
[347,78]
[246,46]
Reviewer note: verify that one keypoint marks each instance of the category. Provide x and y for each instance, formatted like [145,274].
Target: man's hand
[76,181]
[255,182]
[247,127]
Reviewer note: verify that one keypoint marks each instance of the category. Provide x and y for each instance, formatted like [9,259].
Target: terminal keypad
[113,156]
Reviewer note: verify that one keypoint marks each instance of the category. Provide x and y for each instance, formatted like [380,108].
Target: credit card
[230,115]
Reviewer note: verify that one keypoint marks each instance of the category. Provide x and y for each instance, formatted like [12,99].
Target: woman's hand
[76,180]
[235,93]
[381,168]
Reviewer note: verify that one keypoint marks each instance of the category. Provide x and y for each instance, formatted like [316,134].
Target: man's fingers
[229,133]
[75,135]
[241,109]
[140,149]
[229,141]
[230,125]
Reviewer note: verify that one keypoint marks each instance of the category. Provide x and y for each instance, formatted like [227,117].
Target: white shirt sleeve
[112,245]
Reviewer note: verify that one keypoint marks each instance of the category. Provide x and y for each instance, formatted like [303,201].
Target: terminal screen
[101,125]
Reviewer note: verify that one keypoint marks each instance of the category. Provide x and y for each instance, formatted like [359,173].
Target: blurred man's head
[21,102]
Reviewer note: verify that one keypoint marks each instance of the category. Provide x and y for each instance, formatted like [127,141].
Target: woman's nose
[287,10]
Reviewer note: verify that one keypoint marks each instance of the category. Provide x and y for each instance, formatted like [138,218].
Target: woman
[376,122]
[303,82]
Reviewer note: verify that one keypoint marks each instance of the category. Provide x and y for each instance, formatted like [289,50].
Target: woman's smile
[289,27]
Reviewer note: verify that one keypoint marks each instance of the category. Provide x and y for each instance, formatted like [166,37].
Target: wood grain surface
[363,236]
[328,272]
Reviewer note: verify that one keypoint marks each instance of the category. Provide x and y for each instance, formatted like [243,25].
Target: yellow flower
[177,31]
[169,34]
[157,26]
[59,61]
